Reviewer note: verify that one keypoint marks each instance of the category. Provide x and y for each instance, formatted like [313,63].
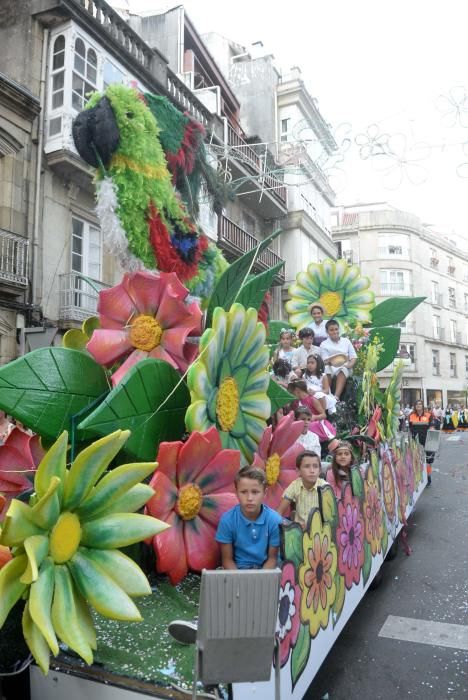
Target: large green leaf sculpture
[46,387]
[233,278]
[278,396]
[390,339]
[253,292]
[151,401]
[392,311]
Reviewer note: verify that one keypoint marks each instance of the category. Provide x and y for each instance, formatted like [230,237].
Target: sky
[390,77]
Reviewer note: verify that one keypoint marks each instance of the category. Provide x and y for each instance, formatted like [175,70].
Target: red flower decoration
[146,316]
[194,485]
[276,455]
[288,623]
[350,538]
[20,455]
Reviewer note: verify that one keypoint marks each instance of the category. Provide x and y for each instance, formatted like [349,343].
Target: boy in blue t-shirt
[249,532]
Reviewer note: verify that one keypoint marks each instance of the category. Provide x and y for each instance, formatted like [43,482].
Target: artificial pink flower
[20,455]
[146,316]
[350,537]
[276,455]
[288,623]
[194,485]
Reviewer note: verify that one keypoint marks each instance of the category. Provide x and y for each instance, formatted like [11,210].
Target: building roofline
[18,98]
[297,85]
[222,81]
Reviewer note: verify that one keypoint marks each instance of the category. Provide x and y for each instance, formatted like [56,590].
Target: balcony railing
[438,333]
[13,259]
[435,262]
[78,296]
[186,99]
[233,237]
[451,270]
[118,28]
[390,289]
[436,370]
[393,252]
[249,157]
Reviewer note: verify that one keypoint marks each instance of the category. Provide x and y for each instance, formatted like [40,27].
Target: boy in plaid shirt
[302,492]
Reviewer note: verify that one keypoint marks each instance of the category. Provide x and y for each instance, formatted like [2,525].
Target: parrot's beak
[96,134]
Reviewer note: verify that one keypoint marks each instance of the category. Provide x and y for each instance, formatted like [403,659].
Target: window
[435,362]
[466,301]
[453,331]
[450,265]
[84,74]
[434,259]
[436,297]
[451,297]
[395,283]
[407,325]
[111,74]
[57,84]
[85,260]
[407,353]
[466,364]
[393,246]
[344,250]
[285,127]
[453,364]
[436,326]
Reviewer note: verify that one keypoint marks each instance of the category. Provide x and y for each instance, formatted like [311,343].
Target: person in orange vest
[420,421]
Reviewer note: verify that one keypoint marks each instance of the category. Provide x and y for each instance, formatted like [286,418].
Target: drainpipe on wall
[40,142]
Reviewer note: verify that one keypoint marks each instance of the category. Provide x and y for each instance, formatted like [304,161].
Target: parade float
[143,417]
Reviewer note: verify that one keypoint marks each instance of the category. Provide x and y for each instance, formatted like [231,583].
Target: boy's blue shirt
[250,539]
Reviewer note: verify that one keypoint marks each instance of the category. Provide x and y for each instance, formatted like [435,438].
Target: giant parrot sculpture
[150,162]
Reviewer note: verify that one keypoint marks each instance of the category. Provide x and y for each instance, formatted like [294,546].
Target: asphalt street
[425,589]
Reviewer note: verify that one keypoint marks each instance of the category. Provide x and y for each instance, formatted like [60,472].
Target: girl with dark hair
[340,471]
[318,383]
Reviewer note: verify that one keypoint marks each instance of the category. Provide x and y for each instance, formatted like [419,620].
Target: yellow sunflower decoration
[339,288]
[64,545]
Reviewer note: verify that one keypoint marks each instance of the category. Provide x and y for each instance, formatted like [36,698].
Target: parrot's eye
[130,115]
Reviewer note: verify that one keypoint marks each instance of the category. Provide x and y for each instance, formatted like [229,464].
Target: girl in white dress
[285,350]
[318,383]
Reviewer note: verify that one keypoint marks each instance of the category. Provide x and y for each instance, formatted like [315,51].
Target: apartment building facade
[54,53]
[260,204]
[281,111]
[404,257]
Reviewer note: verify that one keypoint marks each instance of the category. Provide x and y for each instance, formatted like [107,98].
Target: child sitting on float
[248,535]
[308,440]
[302,493]
[285,349]
[318,324]
[282,373]
[338,355]
[319,423]
[318,383]
[301,354]
[340,471]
